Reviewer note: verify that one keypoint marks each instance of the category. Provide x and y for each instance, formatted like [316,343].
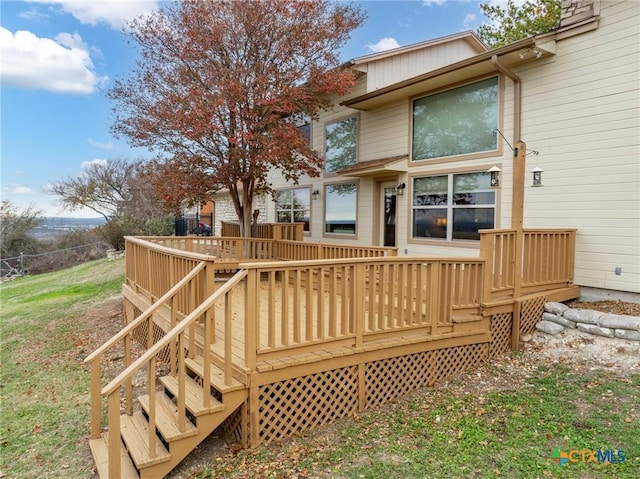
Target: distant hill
[53,226]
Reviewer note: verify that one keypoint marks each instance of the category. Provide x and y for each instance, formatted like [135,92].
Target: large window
[456,122]
[341,144]
[293,206]
[340,208]
[453,207]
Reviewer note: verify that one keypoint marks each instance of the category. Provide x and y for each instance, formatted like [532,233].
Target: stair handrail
[144,315]
[172,334]
[111,390]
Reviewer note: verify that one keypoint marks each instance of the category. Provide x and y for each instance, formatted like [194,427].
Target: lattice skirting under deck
[296,405]
[500,334]
[531,311]
[299,404]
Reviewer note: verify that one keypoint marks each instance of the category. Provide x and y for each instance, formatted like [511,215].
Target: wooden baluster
[128,386]
[151,388]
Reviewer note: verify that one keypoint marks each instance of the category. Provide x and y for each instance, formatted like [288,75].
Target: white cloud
[97,161]
[16,189]
[33,14]
[115,13]
[103,146]
[469,20]
[428,3]
[23,198]
[60,65]
[383,44]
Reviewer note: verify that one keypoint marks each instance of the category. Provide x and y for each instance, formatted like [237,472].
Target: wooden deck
[266,338]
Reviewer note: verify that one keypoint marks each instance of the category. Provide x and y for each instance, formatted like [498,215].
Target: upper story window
[305,131]
[303,124]
[293,206]
[453,207]
[340,208]
[341,144]
[456,122]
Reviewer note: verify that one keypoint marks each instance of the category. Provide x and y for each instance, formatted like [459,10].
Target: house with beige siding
[441,139]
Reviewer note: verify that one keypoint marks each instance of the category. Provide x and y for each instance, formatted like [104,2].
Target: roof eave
[374,98]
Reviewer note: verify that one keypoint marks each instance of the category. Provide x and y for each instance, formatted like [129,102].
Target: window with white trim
[459,121]
[453,206]
[294,206]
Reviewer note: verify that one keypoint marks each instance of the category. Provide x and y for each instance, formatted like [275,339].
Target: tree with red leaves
[219,88]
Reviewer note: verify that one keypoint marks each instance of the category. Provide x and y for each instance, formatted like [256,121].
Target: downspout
[517,96]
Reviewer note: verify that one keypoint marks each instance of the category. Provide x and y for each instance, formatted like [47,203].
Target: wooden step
[217,375]
[135,434]
[194,395]
[167,418]
[466,318]
[100,452]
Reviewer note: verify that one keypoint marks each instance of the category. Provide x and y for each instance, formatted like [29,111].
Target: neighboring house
[408,151]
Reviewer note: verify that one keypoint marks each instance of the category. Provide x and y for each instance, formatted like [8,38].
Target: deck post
[244,425]
[517,209]
[487,242]
[95,398]
[251,330]
[362,387]
[114,441]
[433,303]
[515,326]
[254,417]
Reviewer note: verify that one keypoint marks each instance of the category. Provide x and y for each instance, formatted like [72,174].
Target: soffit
[380,167]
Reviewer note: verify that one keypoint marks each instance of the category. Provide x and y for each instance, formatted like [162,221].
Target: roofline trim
[468,35]
[486,56]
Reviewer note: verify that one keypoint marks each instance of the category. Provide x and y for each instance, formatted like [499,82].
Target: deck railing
[548,258]
[527,261]
[154,269]
[348,302]
[306,250]
[285,231]
[517,263]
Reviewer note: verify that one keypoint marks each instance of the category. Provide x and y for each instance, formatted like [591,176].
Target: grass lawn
[503,420]
[44,421]
[454,432]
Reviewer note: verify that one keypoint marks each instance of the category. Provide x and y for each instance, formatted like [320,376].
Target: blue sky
[57,59]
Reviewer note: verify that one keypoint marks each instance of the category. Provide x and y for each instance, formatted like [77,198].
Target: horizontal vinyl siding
[581,111]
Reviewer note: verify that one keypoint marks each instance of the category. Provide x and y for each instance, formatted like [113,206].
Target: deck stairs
[173,443]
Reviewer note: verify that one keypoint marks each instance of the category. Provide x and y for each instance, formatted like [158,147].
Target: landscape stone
[627,334]
[618,321]
[558,320]
[549,327]
[555,308]
[594,329]
[587,316]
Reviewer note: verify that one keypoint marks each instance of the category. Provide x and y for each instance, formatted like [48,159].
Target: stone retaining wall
[558,316]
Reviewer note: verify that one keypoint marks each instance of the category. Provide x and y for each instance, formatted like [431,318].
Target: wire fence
[24,264]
